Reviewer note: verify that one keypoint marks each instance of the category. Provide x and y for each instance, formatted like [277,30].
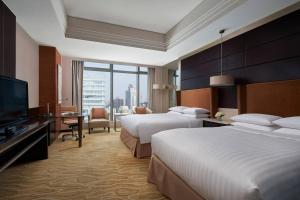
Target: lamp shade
[221,80]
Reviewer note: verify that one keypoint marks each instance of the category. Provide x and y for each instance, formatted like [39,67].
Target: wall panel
[267,53]
[7,41]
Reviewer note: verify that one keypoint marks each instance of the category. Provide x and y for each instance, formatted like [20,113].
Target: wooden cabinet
[7,41]
[49,59]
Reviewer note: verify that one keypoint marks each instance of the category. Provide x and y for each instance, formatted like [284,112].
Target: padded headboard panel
[203,98]
[276,98]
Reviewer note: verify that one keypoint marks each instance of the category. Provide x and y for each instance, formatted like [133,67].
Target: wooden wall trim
[241,99]
[276,98]
[178,98]
[7,41]
[214,99]
[265,54]
[49,58]
[203,98]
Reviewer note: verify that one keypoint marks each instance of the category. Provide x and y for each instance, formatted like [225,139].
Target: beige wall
[27,64]
[66,81]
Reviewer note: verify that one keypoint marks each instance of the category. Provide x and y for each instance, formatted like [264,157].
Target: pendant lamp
[221,80]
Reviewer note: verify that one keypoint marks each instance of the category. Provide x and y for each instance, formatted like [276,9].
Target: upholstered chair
[141,110]
[98,118]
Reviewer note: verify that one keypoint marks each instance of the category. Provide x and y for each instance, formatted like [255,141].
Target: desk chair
[70,122]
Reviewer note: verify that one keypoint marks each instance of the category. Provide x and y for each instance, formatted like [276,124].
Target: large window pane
[97,86]
[96,90]
[125,68]
[96,65]
[143,69]
[143,90]
[124,91]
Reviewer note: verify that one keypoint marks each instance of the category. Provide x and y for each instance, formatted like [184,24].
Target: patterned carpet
[102,169]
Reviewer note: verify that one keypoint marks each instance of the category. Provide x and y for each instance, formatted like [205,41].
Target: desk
[115,118]
[80,121]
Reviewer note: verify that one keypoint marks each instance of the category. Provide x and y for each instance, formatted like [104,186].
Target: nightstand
[215,123]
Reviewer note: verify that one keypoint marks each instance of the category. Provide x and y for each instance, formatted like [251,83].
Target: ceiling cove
[203,14]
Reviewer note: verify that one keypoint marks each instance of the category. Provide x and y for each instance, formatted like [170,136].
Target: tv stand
[28,143]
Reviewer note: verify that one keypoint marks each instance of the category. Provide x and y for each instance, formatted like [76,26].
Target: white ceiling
[44,21]
[152,15]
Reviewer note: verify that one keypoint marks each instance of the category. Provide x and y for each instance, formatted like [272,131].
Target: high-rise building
[130,96]
[93,94]
[117,103]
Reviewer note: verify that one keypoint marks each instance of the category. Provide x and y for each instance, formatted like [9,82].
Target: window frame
[111,70]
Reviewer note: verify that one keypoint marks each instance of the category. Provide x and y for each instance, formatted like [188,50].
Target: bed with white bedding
[225,163]
[137,129]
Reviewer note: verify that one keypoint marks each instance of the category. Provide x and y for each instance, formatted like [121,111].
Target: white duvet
[232,164]
[144,126]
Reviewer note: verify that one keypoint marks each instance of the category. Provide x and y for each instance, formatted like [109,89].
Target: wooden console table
[30,143]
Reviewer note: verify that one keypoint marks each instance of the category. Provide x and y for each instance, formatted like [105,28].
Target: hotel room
[136,99]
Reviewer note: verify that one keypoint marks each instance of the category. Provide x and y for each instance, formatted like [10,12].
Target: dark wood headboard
[203,98]
[280,98]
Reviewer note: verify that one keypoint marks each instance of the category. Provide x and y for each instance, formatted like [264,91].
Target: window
[144,69]
[125,93]
[125,68]
[96,65]
[115,87]
[143,94]
[95,90]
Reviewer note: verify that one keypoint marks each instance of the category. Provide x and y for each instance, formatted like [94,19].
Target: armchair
[98,118]
[141,110]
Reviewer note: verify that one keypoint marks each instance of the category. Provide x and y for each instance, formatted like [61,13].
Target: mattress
[144,126]
[231,163]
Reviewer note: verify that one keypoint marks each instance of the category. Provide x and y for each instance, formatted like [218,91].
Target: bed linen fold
[230,163]
[144,126]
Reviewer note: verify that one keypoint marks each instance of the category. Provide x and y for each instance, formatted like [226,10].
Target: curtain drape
[159,98]
[151,79]
[172,93]
[77,76]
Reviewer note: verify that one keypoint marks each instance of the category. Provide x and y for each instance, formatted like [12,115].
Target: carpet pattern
[102,169]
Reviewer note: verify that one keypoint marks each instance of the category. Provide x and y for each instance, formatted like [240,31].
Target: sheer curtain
[77,76]
[151,79]
[159,98]
[172,92]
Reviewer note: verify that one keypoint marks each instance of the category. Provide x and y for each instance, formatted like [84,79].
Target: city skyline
[122,83]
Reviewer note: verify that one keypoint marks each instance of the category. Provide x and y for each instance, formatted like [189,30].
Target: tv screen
[13,100]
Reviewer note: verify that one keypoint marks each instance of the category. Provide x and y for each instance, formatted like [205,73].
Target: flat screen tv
[13,100]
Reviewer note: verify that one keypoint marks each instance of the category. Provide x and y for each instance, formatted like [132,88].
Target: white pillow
[288,131]
[255,118]
[196,116]
[173,112]
[289,122]
[254,126]
[193,111]
[177,108]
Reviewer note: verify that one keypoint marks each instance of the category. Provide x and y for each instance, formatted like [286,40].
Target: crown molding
[205,13]
[84,29]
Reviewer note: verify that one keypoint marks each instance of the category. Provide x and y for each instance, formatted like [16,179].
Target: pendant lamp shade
[221,80]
